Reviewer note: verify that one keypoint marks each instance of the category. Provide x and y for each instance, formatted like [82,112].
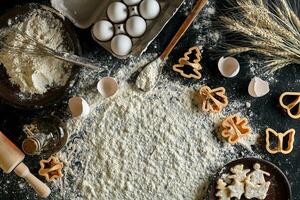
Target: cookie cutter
[187,67]
[288,108]
[51,168]
[234,127]
[280,146]
[212,100]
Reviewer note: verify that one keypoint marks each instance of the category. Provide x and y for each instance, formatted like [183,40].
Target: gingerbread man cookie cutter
[280,141]
[188,67]
[293,105]
[51,168]
[212,100]
[234,127]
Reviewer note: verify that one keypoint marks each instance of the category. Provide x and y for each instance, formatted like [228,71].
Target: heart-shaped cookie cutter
[291,105]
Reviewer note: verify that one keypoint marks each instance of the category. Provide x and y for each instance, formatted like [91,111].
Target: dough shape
[223,191]
[237,189]
[239,173]
[256,185]
[251,186]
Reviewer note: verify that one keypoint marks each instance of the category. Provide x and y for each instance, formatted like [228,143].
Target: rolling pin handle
[41,188]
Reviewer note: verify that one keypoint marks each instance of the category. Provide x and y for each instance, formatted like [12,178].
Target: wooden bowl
[279,189]
[11,93]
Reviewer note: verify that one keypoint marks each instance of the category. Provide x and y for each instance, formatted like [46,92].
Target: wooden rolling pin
[11,158]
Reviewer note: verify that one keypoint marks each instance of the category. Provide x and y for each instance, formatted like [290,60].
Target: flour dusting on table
[136,145]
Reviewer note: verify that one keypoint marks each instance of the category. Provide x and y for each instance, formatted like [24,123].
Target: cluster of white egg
[126,20]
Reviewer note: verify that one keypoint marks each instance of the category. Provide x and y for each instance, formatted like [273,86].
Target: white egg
[149,9]
[103,30]
[121,45]
[131,2]
[136,26]
[117,12]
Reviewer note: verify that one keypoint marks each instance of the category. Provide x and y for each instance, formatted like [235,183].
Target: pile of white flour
[137,145]
[146,146]
[35,74]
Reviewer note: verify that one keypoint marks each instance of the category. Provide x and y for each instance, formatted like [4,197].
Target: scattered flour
[32,73]
[149,76]
[136,145]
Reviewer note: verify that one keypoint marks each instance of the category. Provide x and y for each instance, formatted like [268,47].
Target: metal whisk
[29,45]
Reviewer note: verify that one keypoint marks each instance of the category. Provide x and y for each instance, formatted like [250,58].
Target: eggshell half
[78,107]
[107,87]
[229,67]
[258,87]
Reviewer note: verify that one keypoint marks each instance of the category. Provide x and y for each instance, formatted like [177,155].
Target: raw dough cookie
[251,185]
[256,185]
[223,191]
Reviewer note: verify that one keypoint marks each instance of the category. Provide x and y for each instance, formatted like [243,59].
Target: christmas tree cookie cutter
[280,141]
[51,168]
[294,105]
[234,127]
[188,66]
[212,100]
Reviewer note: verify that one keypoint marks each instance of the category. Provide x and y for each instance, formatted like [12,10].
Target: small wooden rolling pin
[11,158]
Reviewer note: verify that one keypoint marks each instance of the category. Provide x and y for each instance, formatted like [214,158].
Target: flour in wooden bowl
[34,73]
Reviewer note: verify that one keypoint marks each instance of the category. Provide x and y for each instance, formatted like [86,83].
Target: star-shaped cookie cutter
[51,168]
[234,127]
[212,100]
[189,68]
[280,142]
[292,105]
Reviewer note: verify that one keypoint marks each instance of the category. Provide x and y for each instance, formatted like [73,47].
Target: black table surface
[266,110]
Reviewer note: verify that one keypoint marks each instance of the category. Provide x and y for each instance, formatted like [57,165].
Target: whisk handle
[81,61]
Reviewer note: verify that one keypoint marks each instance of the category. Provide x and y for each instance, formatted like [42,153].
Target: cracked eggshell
[149,9]
[78,107]
[131,2]
[107,87]
[103,30]
[229,67]
[117,12]
[121,45]
[258,87]
[136,26]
